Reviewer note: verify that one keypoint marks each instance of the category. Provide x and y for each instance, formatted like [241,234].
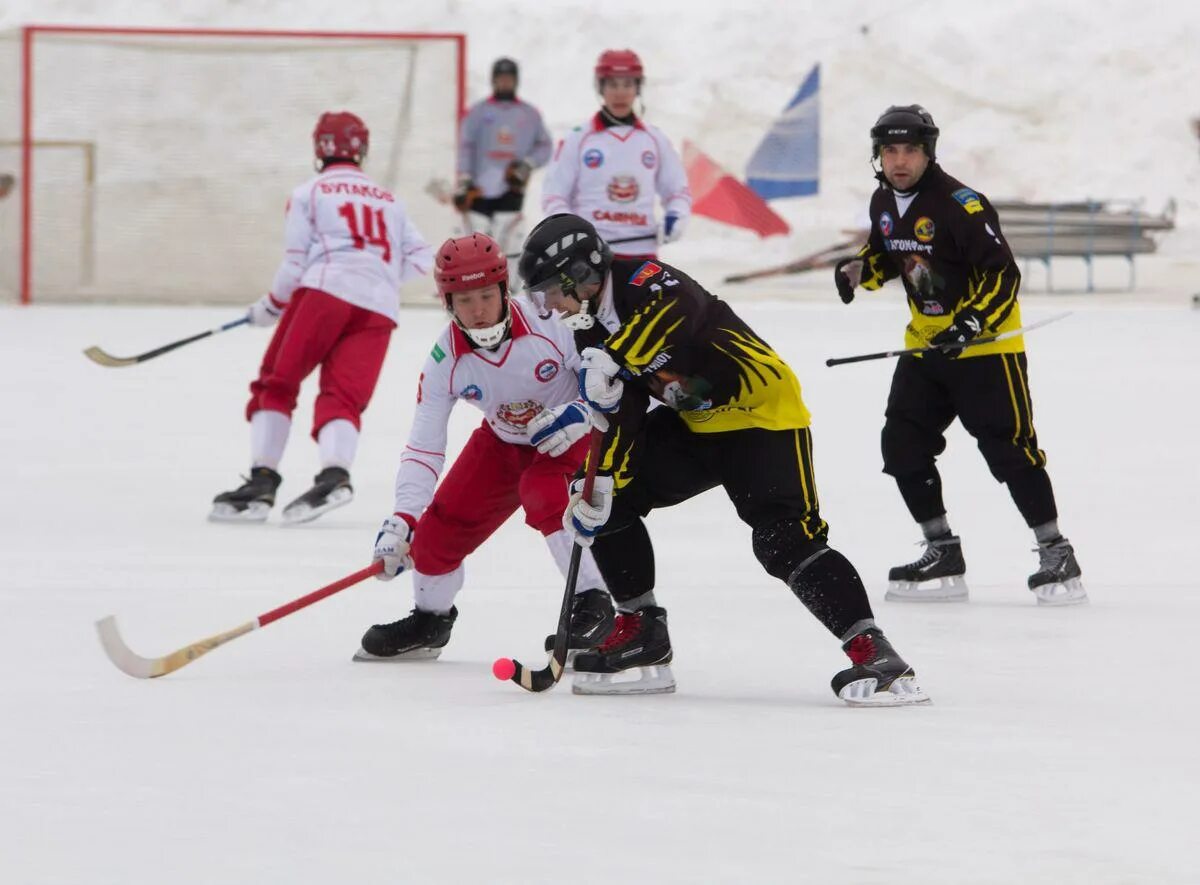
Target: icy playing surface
[1060,746]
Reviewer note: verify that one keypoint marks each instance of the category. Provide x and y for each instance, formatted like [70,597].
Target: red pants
[317,329]
[490,479]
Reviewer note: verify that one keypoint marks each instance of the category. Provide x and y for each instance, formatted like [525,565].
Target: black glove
[966,327]
[465,194]
[516,176]
[844,287]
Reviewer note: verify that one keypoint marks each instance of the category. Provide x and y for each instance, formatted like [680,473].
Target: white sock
[560,544]
[337,442]
[268,438]
[435,593]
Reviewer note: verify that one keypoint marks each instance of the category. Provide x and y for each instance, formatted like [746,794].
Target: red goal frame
[29,32]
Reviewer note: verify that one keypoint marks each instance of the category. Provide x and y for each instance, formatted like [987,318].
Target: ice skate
[331,489]
[419,637]
[1056,582]
[943,563]
[879,677]
[251,501]
[592,619]
[634,659]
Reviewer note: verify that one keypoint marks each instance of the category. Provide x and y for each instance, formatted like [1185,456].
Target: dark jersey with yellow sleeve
[947,249]
[680,344]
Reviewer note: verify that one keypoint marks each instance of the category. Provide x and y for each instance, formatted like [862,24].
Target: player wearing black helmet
[734,418]
[943,240]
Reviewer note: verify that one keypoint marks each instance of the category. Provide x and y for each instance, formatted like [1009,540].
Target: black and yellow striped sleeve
[994,277]
[877,270]
[663,322]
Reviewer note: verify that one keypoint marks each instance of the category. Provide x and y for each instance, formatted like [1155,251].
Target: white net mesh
[162,163]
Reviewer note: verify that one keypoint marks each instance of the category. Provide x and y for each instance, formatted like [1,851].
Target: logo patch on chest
[923,229]
[515,416]
[886,225]
[593,158]
[623,189]
[546,370]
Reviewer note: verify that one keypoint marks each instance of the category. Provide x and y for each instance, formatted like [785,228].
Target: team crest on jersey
[623,189]
[648,159]
[968,199]
[545,371]
[923,229]
[643,273]
[515,416]
[505,136]
[886,225]
[593,159]
[472,392]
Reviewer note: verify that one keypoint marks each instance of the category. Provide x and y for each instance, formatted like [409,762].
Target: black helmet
[504,66]
[563,252]
[905,124]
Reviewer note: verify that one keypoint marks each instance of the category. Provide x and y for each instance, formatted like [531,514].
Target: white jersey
[535,368]
[610,175]
[348,236]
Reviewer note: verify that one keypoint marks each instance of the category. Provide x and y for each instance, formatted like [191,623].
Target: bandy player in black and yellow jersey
[731,415]
[943,240]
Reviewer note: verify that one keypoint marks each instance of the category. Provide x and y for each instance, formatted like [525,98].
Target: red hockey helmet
[618,63]
[340,135]
[473,262]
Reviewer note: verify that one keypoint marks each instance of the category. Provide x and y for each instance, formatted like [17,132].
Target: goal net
[155,165]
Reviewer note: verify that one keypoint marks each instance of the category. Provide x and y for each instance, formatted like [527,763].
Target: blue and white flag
[788,161]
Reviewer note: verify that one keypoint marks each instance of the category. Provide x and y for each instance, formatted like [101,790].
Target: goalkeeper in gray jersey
[501,141]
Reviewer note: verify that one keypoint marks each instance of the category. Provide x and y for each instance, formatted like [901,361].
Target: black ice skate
[331,488]
[251,501]
[1056,582]
[942,562]
[879,677]
[634,659]
[592,619]
[419,637]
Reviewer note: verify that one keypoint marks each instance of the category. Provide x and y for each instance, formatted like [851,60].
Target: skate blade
[1068,592]
[645,680]
[363,656]
[951,589]
[296,512]
[903,692]
[256,511]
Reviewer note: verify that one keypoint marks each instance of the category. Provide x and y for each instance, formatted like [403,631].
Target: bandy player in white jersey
[518,368]
[609,170]
[349,245]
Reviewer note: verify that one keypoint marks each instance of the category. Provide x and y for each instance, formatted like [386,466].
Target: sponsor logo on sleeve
[886,225]
[923,229]
[593,159]
[437,353]
[643,273]
[968,199]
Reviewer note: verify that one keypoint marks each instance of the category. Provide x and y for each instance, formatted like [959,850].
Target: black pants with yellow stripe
[768,476]
[990,395]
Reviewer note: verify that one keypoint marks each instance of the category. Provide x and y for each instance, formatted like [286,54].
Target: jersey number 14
[374,229]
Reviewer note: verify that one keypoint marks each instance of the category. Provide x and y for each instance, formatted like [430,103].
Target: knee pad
[782,546]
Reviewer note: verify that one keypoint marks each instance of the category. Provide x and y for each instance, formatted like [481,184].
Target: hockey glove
[516,176]
[465,194]
[392,545]
[554,431]
[265,311]
[847,274]
[584,518]
[673,227]
[966,326]
[599,381]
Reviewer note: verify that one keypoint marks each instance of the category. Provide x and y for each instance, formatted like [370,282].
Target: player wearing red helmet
[518,368]
[609,170]
[348,247]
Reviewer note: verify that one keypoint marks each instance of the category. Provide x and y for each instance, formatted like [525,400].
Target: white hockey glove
[265,311]
[391,545]
[598,382]
[673,227]
[554,431]
[583,519]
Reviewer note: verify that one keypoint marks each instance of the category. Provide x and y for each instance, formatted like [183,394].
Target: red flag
[718,195]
